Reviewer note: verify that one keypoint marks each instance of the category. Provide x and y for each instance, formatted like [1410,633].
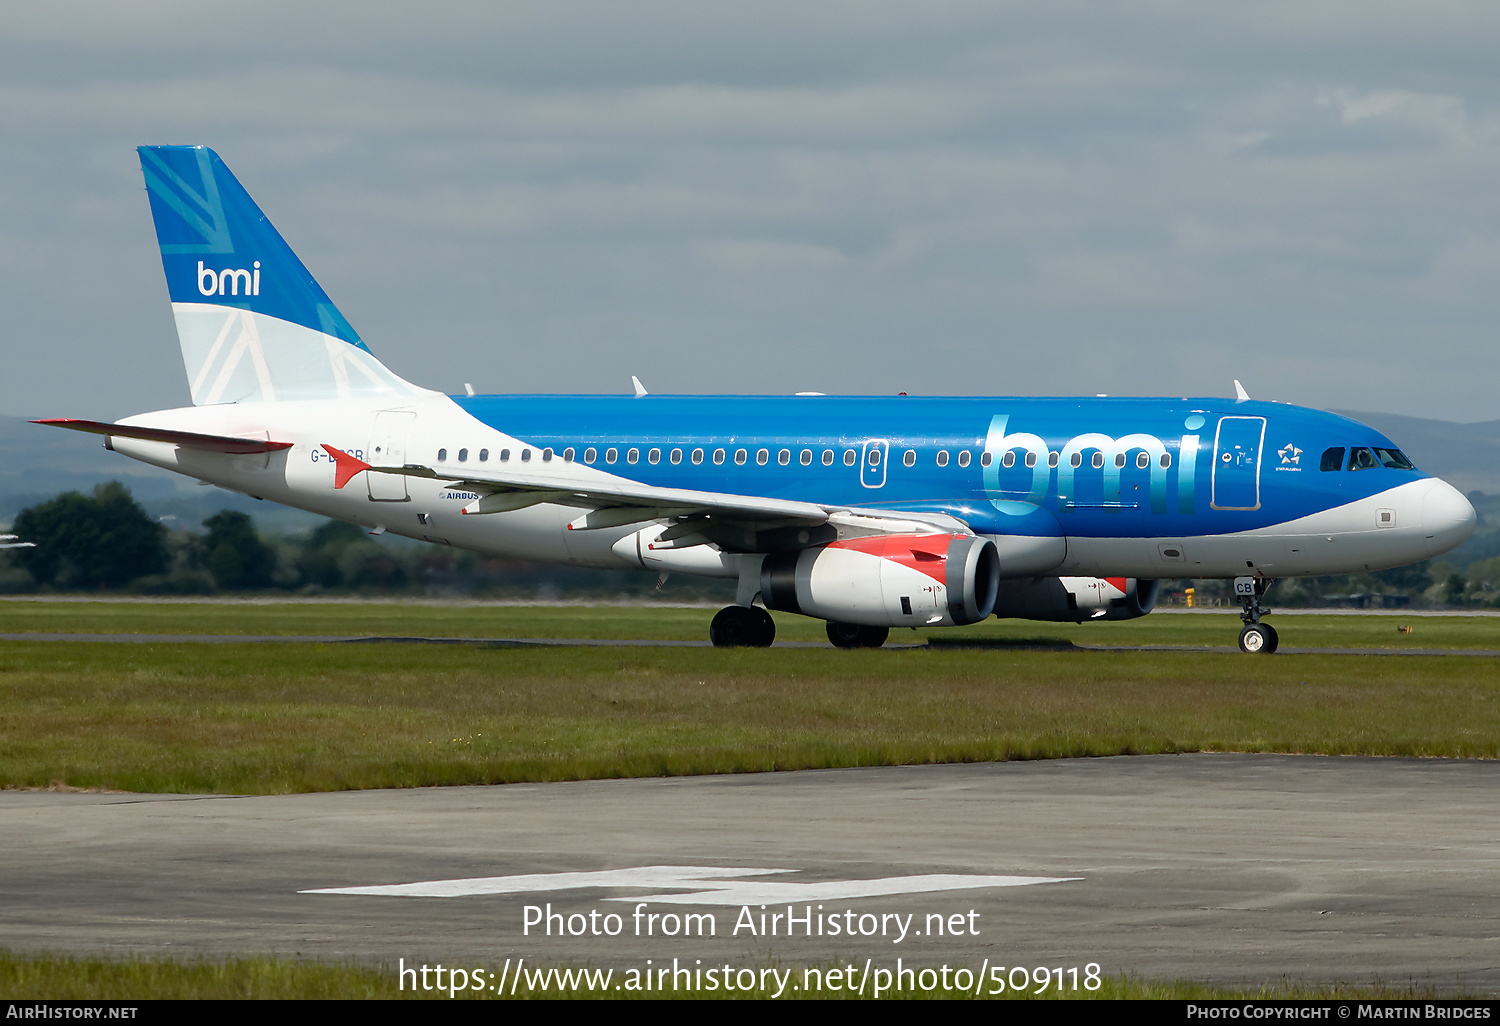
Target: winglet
[1240,395]
[345,466]
[640,389]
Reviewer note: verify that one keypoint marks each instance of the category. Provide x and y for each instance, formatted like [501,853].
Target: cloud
[765,197]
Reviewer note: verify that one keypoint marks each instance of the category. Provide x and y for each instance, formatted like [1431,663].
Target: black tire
[733,627]
[1258,639]
[854,635]
[1272,639]
[765,628]
[844,635]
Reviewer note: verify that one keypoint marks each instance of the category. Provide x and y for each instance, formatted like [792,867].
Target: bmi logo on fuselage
[227,282]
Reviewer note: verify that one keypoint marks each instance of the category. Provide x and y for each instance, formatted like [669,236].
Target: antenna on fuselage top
[1240,395]
[640,389]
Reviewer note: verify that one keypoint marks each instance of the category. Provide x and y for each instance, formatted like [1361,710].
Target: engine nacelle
[1076,599]
[901,580]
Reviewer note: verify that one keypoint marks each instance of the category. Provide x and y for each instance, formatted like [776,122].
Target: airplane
[869,512]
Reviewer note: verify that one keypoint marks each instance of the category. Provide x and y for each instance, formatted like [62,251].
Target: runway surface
[939,644]
[1246,869]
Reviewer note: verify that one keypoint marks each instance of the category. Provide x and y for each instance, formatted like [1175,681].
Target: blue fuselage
[1085,467]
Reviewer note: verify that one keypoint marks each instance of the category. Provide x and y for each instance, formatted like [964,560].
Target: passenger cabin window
[463,455]
[910,459]
[504,455]
[610,455]
[547,455]
[942,457]
[762,456]
[850,457]
[1166,460]
[1333,459]
[484,455]
[589,455]
[568,454]
[1076,460]
[784,457]
[1098,459]
[1052,458]
[697,457]
[442,455]
[807,457]
[633,456]
[1031,459]
[1362,459]
[827,457]
[718,457]
[676,457]
[653,457]
[986,459]
[963,457]
[1008,460]
[739,457]
[525,455]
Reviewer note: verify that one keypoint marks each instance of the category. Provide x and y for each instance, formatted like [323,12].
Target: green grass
[676,623]
[266,718]
[273,718]
[31,978]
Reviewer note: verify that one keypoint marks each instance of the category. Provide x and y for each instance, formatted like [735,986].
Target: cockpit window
[1362,459]
[1333,459]
[1393,458]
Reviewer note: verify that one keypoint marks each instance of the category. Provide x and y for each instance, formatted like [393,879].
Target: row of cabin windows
[851,457]
[1361,458]
[484,455]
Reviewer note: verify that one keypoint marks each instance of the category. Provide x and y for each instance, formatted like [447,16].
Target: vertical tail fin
[253,323]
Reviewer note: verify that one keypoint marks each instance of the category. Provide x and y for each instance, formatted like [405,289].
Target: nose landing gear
[1256,637]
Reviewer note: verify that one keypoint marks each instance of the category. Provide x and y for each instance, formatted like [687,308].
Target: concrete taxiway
[1244,869]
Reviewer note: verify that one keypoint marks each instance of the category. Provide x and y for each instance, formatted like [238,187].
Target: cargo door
[388,449]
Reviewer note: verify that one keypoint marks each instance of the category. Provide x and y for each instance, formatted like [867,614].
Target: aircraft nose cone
[1447,518]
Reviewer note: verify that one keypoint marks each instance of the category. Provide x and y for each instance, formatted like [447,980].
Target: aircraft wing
[739,521]
[186,439]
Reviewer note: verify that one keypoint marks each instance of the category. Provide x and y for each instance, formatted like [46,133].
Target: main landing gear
[854,635]
[1257,637]
[742,627]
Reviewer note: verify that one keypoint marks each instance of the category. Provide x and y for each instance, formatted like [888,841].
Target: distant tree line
[106,541]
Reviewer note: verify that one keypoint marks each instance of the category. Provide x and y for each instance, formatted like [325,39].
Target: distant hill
[1467,456]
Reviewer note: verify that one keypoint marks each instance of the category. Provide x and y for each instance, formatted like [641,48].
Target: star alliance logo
[1289,455]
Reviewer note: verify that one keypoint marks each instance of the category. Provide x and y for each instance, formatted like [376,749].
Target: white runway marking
[700,885]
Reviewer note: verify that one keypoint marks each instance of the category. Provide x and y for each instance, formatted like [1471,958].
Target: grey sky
[986,198]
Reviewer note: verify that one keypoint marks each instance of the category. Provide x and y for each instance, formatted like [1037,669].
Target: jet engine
[915,580]
[1076,599]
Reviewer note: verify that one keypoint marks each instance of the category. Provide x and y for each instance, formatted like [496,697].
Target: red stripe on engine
[924,553]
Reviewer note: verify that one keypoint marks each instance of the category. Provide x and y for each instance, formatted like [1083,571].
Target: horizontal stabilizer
[185,439]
